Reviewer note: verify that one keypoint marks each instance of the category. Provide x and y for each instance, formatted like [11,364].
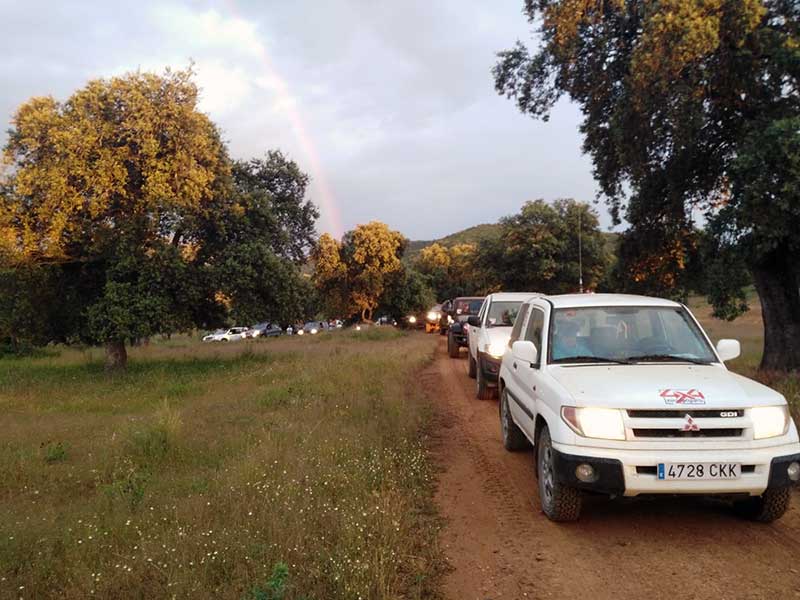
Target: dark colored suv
[459,311]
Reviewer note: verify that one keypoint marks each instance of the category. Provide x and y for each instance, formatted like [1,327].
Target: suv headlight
[591,422]
[769,421]
[433,316]
[495,349]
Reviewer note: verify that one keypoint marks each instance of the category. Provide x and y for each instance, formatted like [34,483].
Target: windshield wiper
[599,359]
[669,357]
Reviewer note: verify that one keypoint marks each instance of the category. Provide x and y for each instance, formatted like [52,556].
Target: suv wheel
[559,502]
[473,368]
[768,507]
[513,438]
[452,346]
[482,389]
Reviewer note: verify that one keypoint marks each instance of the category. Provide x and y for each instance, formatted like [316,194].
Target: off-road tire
[768,507]
[473,368]
[482,389]
[513,438]
[452,347]
[559,502]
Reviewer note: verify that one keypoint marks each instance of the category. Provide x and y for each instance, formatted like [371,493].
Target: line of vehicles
[266,329]
[624,395]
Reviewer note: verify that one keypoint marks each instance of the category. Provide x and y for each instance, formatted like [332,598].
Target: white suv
[488,335]
[625,395]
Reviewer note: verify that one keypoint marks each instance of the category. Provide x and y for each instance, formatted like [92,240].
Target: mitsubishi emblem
[690,425]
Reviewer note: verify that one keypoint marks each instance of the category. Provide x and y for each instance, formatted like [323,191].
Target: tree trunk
[778,287]
[116,355]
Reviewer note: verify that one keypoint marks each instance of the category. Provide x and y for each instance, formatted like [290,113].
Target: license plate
[699,471]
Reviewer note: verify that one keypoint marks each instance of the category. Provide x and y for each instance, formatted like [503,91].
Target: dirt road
[500,545]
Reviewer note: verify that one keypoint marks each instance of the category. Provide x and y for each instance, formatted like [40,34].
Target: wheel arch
[539,424]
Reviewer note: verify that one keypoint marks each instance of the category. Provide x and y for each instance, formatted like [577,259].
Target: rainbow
[331,213]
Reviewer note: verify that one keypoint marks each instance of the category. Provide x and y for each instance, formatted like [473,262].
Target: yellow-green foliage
[128,150]
[295,465]
[352,275]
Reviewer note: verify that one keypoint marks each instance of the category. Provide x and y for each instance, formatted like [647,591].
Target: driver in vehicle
[566,342]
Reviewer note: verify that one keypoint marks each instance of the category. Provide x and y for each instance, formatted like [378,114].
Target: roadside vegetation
[290,468]
[749,330]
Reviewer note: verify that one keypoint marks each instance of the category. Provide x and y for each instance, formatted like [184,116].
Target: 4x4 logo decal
[682,397]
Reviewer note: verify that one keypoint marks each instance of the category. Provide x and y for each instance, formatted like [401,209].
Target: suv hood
[662,386]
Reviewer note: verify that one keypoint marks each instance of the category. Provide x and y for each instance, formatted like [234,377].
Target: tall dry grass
[292,468]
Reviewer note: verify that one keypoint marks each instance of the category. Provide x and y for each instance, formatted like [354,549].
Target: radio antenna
[580,253]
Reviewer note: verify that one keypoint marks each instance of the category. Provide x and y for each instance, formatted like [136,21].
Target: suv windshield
[627,334]
[466,306]
[503,313]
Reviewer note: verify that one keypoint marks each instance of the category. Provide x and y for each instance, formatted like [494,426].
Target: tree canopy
[538,249]
[353,274]
[452,270]
[676,96]
[122,202]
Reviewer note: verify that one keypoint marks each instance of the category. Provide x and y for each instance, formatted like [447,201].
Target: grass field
[291,468]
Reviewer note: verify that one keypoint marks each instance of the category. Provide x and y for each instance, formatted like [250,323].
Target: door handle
[514,365]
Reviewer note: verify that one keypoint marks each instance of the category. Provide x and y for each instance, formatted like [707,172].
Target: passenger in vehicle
[566,342]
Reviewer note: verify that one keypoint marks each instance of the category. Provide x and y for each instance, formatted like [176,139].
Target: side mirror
[474,321]
[728,349]
[525,350]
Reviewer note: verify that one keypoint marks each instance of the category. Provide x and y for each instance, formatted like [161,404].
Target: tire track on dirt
[500,545]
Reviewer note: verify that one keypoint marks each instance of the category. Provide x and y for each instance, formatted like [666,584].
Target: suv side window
[533,333]
[516,331]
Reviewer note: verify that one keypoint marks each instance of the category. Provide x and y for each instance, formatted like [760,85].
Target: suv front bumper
[633,472]
[489,366]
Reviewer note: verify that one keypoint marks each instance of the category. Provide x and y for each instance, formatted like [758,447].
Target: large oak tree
[539,250]
[121,204]
[688,105]
[352,275]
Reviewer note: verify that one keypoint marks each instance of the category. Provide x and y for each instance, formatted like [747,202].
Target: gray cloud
[390,103]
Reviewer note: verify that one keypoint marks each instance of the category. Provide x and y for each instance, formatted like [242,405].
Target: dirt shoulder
[500,546]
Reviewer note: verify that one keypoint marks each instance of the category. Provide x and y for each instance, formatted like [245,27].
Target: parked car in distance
[265,330]
[227,335]
[626,396]
[461,309]
[315,327]
[489,332]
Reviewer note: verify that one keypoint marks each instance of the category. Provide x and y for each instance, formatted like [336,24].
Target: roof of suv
[506,296]
[580,300]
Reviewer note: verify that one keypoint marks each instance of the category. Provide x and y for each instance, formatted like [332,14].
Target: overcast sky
[388,105]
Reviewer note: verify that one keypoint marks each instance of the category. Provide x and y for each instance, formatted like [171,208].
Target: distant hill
[471,235]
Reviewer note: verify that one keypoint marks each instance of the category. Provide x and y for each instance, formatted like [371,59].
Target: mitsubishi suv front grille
[702,413]
[689,422]
[676,433]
